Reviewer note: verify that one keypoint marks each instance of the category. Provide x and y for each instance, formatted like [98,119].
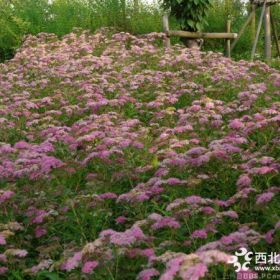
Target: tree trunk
[192,43]
[123,8]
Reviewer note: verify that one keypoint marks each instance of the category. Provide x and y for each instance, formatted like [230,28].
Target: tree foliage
[190,14]
[21,17]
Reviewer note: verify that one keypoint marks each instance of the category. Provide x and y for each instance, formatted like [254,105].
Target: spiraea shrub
[123,160]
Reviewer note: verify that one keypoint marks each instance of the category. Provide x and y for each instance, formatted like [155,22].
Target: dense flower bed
[122,160]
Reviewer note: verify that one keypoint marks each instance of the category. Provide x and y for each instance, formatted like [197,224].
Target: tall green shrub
[11,29]
[190,14]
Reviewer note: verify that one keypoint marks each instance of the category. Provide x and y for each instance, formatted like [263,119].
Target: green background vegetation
[19,18]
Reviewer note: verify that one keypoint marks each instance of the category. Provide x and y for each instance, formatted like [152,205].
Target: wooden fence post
[228,54]
[267,28]
[275,34]
[258,31]
[253,24]
[166,30]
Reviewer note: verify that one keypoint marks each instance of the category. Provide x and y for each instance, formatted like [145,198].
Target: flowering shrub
[119,159]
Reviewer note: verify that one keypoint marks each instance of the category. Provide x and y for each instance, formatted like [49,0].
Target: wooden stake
[228,54]
[258,31]
[166,30]
[253,24]
[242,30]
[275,33]
[267,32]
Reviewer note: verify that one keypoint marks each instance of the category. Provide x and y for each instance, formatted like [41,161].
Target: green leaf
[48,275]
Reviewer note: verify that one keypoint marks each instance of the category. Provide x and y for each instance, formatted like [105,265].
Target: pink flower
[264,198]
[44,264]
[148,253]
[40,215]
[72,262]
[39,232]
[200,233]
[22,145]
[263,170]
[2,240]
[196,151]
[236,124]
[269,236]
[173,266]
[232,214]
[147,274]
[3,258]
[276,83]
[227,239]
[49,163]
[108,195]
[125,238]
[208,210]
[244,181]
[173,181]
[3,270]
[213,256]
[21,253]
[16,253]
[194,199]
[166,222]
[121,220]
[142,197]
[89,266]
[5,195]
[195,272]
